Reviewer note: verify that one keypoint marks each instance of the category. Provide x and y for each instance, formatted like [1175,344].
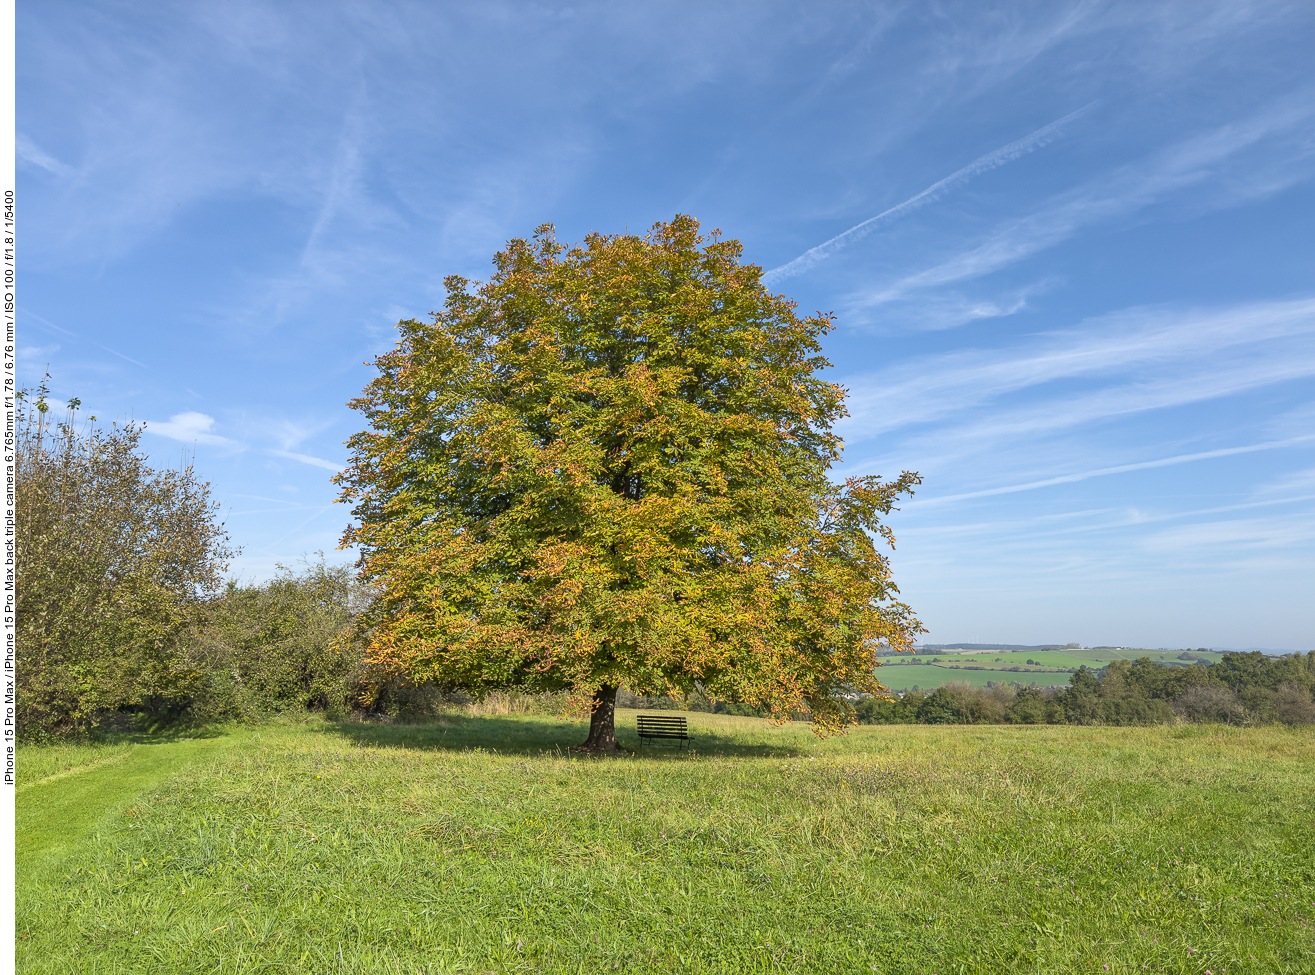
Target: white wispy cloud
[289,433]
[1177,340]
[1208,380]
[1269,553]
[1213,537]
[1290,483]
[1130,189]
[125,358]
[991,160]
[29,152]
[1039,528]
[1291,422]
[36,353]
[190,427]
[344,192]
[1137,519]
[328,465]
[937,311]
[24,315]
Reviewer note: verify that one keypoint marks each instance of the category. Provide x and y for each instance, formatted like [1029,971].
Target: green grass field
[480,845]
[899,673]
[1091,657]
[899,677]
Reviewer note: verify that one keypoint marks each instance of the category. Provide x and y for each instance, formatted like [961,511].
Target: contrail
[815,255]
[297,529]
[73,335]
[1120,469]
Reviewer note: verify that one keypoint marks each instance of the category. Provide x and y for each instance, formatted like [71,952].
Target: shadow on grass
[126,736]
[509,735]
[539,735]
[157,736]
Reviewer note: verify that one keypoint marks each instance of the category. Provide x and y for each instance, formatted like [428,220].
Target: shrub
[396,697]
[1260,703]
[974,705]
[1137,709]
[939,707]
[1029,707]
[114,558]
[1210,703]
[285,645]
[1293,705]
[890,710]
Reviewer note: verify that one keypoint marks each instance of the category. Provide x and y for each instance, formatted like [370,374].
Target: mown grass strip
[92,766]
[44,762]
[60,812]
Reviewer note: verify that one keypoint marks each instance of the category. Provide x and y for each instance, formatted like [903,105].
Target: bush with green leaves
[1293,705]
[285,644]
[1210,703]
[1028,707]
[114,560]
[890,710]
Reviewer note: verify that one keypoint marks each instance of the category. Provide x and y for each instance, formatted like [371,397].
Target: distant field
[480,845]
[902,678]
[900,673]
[1076,658]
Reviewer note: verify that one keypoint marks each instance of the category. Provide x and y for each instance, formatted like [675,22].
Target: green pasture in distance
[478,844]
[901,672]
[1093,658]
[902,678]
[1050,658]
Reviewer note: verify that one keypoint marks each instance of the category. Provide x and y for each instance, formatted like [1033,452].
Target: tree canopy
[608,465]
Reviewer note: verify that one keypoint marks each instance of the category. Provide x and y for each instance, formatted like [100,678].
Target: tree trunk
[602,723]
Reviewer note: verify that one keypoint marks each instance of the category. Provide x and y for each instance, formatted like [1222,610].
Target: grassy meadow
[478,844]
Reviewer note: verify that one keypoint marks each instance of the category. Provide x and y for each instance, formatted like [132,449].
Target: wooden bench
[670,728]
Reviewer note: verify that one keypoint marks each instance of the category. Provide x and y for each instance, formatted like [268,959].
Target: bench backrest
[650,724]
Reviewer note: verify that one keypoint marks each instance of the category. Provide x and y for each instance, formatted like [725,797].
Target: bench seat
[663,727]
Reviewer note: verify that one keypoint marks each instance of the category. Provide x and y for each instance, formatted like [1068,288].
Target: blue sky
[1069,247]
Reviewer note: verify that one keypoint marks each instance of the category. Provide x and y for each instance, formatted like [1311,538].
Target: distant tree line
[1241,689]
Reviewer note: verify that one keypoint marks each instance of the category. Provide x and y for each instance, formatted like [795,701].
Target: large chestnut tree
[608,465]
